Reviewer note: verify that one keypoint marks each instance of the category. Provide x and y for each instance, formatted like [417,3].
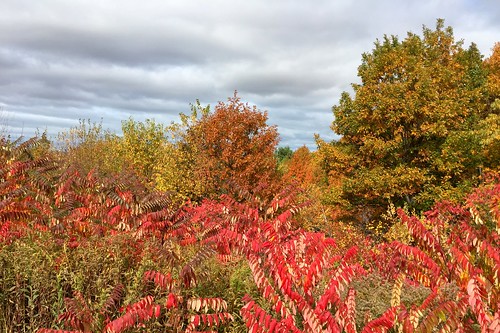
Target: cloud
[65,60]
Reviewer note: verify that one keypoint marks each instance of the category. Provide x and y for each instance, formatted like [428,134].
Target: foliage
[175,171]
[408,133]
[302,168]
[453,247]
[282,156]
[210,153]
[25,180]
[80,221]
[90,254]
[291,268]
[141,146]
[167,304]
[493,82]
[303,171]
[88,146]
[236,147]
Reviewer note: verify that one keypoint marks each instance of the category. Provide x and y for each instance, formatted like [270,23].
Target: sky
[108,60]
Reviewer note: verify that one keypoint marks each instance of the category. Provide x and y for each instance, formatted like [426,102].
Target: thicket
[201,226]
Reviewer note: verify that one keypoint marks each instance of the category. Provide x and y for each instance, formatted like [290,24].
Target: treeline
[422,126]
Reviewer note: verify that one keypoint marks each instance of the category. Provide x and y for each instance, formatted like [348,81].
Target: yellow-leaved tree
[141,146]
[175,171]
[407,134]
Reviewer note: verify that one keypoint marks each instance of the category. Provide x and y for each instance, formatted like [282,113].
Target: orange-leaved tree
[211,153]
[236,147]
[303,170]
[493,82]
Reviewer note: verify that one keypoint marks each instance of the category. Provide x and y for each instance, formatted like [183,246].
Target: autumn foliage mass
[206,225]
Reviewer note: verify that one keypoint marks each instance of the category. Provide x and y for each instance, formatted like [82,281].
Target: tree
[231,149]
[417,103]
[282,155]
[87,146]
[493,82]
[179,158]
[236,148]
[210,153]
[489,130]
[141,146]
[302,168]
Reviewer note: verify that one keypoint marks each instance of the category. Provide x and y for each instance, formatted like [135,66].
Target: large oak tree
[406,134]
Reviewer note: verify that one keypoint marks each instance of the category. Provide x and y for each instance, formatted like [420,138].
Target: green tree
[282,156]
[406,133]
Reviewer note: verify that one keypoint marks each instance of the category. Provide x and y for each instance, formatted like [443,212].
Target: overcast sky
[62,60]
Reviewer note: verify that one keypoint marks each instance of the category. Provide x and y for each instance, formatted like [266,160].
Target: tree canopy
[236,147]
[408,133]
[215,152]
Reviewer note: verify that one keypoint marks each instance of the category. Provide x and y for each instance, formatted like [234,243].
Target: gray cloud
[65,60]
